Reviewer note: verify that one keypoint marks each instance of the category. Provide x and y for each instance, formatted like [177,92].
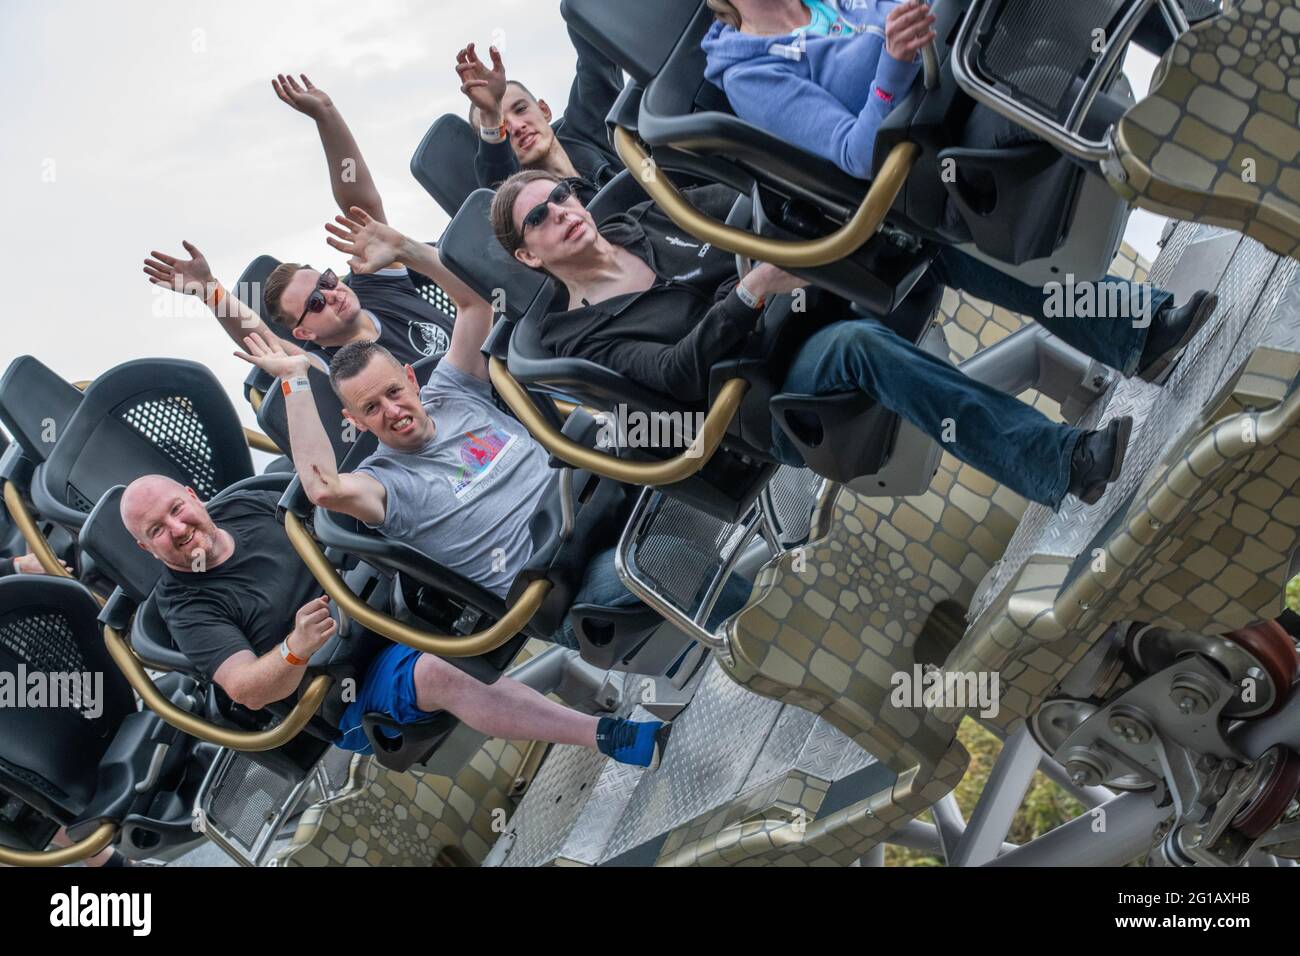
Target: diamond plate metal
[825,751]
[553,804]
[1161,415]
[782,747]
[713,748]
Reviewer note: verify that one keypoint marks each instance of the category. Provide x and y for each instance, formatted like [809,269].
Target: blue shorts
[388,688]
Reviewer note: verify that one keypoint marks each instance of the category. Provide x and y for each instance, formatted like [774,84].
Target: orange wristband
[289,656]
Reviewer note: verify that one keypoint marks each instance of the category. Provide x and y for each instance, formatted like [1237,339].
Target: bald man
[246,611]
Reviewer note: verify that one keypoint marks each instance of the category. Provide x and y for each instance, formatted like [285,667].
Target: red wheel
[1259,816]
[1274,649]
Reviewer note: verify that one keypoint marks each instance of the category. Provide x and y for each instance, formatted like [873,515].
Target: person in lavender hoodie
[824,74]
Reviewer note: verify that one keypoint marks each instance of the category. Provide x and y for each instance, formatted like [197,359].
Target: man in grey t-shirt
[468,493]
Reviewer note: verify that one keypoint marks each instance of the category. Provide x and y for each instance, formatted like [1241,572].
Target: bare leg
[506,709]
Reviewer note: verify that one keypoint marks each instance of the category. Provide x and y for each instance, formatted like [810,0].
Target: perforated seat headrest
[471,251]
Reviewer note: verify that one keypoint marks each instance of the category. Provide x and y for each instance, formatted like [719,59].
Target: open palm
[370,245]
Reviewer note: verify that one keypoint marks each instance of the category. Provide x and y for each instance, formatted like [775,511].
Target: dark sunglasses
[316,301]
[537,215]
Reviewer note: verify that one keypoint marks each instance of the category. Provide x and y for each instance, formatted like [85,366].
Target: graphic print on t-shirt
[427,338]
[479,452]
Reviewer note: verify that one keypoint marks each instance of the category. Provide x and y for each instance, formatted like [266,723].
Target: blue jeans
[601,585]
[1113,341]
[1011,442]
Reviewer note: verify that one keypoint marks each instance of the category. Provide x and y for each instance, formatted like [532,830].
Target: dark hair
[501,215]
[273,291]
[351,360]
[472,107]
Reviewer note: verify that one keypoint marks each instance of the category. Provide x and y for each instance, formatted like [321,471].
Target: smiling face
[528,123]
[168,520]
[566,234]
[333,325]
[384,398]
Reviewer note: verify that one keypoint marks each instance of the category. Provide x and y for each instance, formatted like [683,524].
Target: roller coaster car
[1027,210]
[443,163]
[109,773]
[481,634]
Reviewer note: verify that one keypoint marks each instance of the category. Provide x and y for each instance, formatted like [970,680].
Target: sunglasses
[316,301]
[537,215]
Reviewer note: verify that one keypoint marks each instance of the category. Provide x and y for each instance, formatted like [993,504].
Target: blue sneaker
[640,743]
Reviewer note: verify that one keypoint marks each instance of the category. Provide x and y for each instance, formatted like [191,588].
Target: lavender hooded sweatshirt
[825,94]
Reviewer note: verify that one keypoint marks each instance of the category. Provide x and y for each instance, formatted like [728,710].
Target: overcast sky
[132,125]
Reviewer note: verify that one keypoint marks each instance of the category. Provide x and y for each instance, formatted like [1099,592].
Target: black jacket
[581,130]
[669,336]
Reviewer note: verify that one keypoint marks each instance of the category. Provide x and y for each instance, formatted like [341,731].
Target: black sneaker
[1171,331]
[1097,460]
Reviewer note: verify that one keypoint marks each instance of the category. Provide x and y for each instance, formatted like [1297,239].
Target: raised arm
[372,245]
[313,456]
[193,277]
[350,178]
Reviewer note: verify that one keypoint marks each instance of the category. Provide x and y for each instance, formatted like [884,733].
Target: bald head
[168,520]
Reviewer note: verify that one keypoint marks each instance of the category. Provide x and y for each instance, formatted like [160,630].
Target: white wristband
[492,134]
[748,298]
[299,383]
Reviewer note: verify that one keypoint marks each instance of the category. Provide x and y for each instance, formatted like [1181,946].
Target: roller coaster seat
[163,416]
[64,765]
[136,573]
[443,163]
[1017,204]
[35,406]
[274,419]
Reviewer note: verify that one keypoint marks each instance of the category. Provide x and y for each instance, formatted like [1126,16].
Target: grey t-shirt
[465,499]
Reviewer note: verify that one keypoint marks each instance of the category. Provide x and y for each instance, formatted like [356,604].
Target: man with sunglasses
[316,313]
[637,297]
[515,128]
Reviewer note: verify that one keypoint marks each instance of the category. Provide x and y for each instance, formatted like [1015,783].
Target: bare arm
[372,245]
[313,455]
[350,178]
[254,681]
[193,277]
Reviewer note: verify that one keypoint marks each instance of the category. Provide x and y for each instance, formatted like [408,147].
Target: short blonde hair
[726,12]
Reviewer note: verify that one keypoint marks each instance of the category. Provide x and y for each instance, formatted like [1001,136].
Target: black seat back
[471,251]
[49,754]
[638,37]
[443,163]
[150,416]
[274,418]
[35,406]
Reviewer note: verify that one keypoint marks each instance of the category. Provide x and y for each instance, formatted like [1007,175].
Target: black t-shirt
[409,326]
[249,601]
[669,336]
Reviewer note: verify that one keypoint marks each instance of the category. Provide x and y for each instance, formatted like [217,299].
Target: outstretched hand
[907,30]
[370,245]
[188,276]
[482,86]
[303,97]
[269,355]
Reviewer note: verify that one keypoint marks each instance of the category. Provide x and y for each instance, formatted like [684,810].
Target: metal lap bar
[183,720]
[256,439]
[796,254]
[443,645]
[664,472]
[31,533]
[1064,137]
[81,850]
